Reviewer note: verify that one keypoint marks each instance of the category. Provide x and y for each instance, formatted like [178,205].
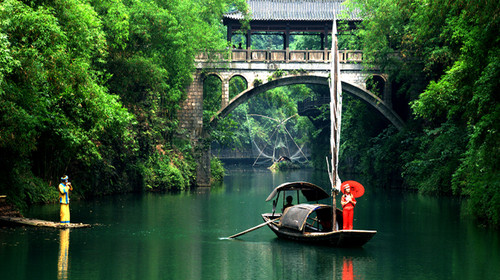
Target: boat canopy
[309,190]
[295,217]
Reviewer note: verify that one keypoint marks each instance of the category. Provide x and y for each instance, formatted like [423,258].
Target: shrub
[217,169]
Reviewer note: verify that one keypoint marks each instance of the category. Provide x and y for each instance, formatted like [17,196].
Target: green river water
[178,236]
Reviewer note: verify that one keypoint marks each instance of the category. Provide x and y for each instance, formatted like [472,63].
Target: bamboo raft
[41,223]
[9,214]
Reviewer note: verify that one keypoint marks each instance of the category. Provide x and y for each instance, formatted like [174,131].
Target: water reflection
[292,260]
[62,263]
[347,269]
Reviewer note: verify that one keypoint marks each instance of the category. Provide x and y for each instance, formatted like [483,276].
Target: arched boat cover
[309,190]
[295,216]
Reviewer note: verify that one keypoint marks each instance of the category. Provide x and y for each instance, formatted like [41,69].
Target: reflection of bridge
[267,69]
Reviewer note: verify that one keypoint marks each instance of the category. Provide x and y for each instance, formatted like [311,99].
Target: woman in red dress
[348,202]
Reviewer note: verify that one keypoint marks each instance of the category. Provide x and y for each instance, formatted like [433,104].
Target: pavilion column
[287,37]
[324,40]
[324,43]
[249,39]
[249,44]
[229,32]
[287,41]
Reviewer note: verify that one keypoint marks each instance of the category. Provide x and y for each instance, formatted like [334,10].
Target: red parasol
[357,189]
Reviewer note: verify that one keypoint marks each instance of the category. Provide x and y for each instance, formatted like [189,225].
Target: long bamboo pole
[335,117]
[253,228]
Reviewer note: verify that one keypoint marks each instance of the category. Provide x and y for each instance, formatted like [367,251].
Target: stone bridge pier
[256,67]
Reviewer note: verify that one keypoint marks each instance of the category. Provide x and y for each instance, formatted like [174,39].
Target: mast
[335,118]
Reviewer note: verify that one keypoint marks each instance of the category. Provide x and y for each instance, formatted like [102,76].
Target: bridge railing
[238,55]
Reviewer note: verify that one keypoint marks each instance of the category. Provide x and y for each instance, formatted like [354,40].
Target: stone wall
[191,111]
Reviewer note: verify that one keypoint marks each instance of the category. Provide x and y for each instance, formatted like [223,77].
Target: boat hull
[339,238]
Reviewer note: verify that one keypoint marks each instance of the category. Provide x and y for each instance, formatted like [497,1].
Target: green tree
[153,45]
[465,98]
[56,113]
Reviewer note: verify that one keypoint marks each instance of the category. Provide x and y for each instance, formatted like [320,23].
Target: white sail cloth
[335,109]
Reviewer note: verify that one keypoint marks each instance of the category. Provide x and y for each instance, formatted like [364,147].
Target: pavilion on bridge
[287,18]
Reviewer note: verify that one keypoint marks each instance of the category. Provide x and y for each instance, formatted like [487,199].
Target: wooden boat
[311,223]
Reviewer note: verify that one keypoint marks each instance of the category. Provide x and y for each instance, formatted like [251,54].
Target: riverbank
[6,209]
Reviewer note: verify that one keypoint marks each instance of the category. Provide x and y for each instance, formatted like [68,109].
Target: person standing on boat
[348,202]
[64,188]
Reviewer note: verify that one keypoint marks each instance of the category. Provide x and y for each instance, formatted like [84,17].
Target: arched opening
[376,85]
[265,129]
[237,84]
[212,96]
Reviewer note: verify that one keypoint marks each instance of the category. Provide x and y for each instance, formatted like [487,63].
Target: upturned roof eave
[288,19]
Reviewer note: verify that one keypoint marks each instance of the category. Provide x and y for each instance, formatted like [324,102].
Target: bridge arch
[348,87]
[212,98]
[239,75]
[234,83]
[376,84]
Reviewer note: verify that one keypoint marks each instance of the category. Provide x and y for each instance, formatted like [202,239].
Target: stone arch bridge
[256,66]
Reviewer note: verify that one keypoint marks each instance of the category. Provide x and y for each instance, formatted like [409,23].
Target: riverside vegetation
[91,89]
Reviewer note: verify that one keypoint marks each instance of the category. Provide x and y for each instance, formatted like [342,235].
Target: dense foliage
[91,89]
[445,56]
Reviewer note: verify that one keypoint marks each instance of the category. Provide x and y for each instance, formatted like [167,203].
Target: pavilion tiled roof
[301,10]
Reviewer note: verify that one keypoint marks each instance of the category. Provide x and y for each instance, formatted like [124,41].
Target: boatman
[64,188]
[289,200]
[348,202]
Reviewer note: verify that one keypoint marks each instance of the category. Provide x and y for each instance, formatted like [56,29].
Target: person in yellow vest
[64,188]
